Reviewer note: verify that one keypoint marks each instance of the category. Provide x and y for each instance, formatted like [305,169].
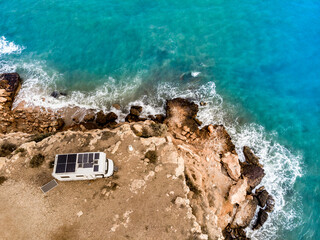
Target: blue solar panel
[96,168]
[96,156]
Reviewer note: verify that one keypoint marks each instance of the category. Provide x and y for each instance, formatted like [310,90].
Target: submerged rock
[57,94]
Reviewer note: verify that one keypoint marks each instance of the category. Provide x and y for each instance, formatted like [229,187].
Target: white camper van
[82,166]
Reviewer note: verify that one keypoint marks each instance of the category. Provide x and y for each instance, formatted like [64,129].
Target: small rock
[116,106]
[80,213]
[210,129]
[186,129]
[203,103]
[130,148]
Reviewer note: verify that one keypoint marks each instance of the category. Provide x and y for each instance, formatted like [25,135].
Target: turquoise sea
[256,64]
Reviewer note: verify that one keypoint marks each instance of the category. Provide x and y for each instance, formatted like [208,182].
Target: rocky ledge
[175,179]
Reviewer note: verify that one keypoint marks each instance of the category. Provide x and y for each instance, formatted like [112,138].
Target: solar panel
[62,159]
[87,165]
[50,185]
[71,167]
[80,158]
[72,158]
[61,168]
[67,163]
[90,157]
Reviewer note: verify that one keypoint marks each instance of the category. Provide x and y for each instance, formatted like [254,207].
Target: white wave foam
[195,74]
[7,47]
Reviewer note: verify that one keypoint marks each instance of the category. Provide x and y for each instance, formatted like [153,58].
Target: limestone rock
[245,213]
[238,192]
[231,164]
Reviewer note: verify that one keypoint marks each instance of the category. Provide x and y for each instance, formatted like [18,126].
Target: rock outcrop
[175,180]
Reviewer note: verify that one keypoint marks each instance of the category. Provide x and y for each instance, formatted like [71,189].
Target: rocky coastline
[215,195]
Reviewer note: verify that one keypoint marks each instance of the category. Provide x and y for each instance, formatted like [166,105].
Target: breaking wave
[7,47]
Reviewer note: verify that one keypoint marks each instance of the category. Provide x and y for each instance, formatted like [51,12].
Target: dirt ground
[138,202]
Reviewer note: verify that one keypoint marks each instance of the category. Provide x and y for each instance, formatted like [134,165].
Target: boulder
[9,81]
[245,213]
[135,110]
[134,114]
[262,218]
[111,117]
[57,94]
[101,118]
[262,197]
[231,164]
[89,117]
[254,174]
[234,233]
[238,192]
[251,158]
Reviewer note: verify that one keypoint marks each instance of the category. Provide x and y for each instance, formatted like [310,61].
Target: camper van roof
[69,163]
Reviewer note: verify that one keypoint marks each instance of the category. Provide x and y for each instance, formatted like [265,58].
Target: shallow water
[258,66]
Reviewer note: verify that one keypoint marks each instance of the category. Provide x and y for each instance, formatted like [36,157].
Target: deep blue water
[258,66]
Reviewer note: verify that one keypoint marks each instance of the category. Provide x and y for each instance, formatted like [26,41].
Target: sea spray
[7,47]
